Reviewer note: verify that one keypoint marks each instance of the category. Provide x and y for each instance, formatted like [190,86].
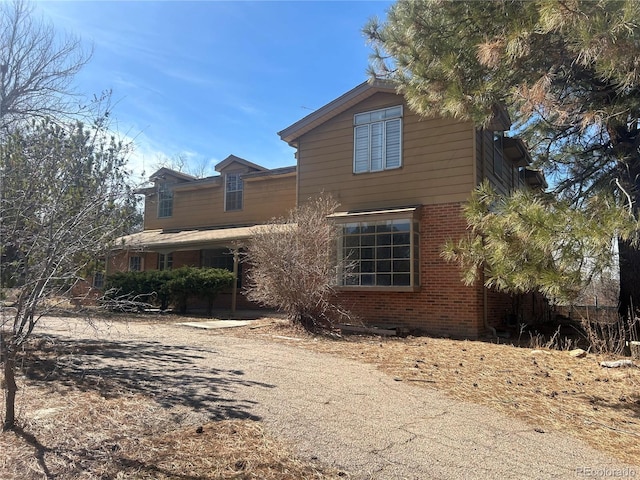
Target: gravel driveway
[336,411]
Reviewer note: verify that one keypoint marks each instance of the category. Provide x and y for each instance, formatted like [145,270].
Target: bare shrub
[607,332]
[293,266]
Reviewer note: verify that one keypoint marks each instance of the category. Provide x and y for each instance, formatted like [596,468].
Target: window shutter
[377,130]
[361,154]
[392,153]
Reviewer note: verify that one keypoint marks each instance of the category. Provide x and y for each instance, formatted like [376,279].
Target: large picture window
[377,139]
[380,253]
[234,187]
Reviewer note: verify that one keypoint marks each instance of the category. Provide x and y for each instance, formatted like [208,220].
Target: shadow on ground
[169,374]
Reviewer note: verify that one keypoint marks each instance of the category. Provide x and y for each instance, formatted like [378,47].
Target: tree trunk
[629,304]
[629,279]
[10,384]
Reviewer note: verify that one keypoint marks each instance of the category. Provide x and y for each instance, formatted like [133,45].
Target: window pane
[383,227]
[352,254]
[352,241]
[383,266]
[403,251]
[361,149]
[350,228]
[393,112]
[383,252]
[376,146]
[401,225]
[384,280]
[367,266]
[361,118]
[352,280]
[368,240]
[368,227]
[401,266]
[401,238]
[367,279]
[401,280]
[384,239]
[367,253]
[393,141]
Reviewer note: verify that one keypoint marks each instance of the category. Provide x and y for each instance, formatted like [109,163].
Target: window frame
[238,190]
[98,279]
[409,215]
[368,121]
[135,263]
[165,261]
[165,200]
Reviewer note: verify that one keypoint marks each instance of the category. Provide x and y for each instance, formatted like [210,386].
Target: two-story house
[201,222]
[401,181]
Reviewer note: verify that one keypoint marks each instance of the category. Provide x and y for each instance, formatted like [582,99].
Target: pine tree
[568,72]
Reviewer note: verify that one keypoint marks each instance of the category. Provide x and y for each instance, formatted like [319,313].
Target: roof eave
[335,107]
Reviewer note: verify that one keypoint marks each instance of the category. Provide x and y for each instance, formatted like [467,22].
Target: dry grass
[79,434]
[547,388]
[75,434]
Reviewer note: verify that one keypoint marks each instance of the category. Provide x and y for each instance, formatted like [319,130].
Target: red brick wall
[444,305]
[190,258]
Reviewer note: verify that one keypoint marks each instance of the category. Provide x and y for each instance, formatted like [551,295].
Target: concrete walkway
[346,414]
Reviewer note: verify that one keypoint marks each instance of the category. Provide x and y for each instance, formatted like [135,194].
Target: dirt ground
[548,389]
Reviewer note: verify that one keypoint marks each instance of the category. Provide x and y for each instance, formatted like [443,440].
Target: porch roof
[162,240]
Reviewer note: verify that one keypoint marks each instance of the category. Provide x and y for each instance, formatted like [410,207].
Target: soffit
[335,107]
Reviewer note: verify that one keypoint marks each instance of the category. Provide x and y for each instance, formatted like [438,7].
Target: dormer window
[377,138]
[165,201]
[233,188]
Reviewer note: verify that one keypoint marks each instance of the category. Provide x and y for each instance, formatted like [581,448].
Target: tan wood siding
[510,178]
[437,161]
[204,207]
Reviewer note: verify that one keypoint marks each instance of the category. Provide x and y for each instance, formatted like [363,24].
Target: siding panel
[437,161]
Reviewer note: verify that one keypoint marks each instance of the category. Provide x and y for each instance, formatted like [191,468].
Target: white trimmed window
[165,200]
[233,189]
[377,140]
[165,261]
[379,251]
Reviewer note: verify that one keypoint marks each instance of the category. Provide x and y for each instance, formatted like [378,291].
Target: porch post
[234,288]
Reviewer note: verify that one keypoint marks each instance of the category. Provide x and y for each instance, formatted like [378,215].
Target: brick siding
[443,305]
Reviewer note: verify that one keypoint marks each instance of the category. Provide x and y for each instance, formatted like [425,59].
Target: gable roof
[233,159]
[164,172]
[335,107]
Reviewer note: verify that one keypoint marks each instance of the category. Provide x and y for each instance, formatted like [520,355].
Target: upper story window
[377,139]
[233,188]
[165,200]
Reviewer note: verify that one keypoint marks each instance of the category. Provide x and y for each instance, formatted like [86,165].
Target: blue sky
[209,79]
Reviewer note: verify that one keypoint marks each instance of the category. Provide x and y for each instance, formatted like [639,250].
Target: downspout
[485,300]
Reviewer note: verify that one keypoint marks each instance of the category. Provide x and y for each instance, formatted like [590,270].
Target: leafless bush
[293,266]
[607,332]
